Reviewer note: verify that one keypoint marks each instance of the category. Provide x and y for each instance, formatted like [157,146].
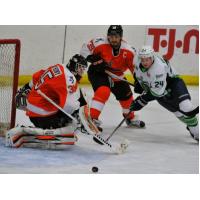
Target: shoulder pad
[100,40]
[126,46]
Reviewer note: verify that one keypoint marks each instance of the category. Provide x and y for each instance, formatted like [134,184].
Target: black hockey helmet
[75,63]
[115,30]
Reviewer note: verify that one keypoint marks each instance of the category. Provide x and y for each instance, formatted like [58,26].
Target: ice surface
[165,146]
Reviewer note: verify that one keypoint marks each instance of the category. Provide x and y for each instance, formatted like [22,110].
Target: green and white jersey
[154,80]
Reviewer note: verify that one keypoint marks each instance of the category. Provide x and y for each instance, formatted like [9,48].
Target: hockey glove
[94,58]
[138,104]
[137,87]
[21,97]
[97,63]
[75,114]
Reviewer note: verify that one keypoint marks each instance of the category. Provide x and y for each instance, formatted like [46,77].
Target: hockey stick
[118,77]
[111,134]
[191,113]
[118,150]
[56,105]
[117,127]
[124,143]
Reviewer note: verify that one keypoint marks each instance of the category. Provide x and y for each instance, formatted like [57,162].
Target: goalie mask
[77,65]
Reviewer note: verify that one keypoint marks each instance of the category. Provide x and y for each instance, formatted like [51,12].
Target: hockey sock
[125,107]
[101,95]
[189,121]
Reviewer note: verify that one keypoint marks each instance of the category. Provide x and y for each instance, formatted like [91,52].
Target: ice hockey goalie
[52,128]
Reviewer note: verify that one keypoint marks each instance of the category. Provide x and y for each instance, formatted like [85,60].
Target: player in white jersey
[157,80]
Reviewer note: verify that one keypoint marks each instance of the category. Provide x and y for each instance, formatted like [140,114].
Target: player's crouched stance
[157,80]
[52,128]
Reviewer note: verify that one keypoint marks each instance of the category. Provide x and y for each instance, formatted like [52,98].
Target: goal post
[9,74]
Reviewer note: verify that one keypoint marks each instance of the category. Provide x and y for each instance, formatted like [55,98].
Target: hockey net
[9,73]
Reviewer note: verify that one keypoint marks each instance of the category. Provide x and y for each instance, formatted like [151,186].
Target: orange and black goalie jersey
[60,85]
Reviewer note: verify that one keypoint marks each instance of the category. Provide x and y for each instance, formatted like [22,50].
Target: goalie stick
[124,143]
[118,149]
[89,125]
[118,126]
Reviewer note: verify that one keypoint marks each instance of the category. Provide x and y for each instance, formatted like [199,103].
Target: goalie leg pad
[92,130]
[35,137]
[87,122]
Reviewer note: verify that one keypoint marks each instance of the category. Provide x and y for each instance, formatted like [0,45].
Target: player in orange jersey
[51,126]
[59,83]
[115,55]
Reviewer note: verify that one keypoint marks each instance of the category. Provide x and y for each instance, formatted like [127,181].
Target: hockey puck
[95,169]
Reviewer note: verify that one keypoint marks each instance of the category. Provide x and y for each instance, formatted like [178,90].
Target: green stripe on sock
[190,121]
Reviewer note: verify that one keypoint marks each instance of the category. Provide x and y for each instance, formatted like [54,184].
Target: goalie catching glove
[21,97]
